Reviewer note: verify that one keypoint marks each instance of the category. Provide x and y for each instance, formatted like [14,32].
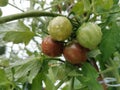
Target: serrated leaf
[37,82]
[16,32]
[49,84]
[4,80]
[116,1]
[90,70]
[28,70]
[90,77]
[94,53]
[19,36]
[3,77]
[14,26]
[109,42]
[34,71]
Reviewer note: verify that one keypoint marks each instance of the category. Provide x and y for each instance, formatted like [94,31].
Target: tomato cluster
[88,36]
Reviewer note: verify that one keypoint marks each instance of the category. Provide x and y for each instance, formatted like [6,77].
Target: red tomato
[51,48]
[75,54]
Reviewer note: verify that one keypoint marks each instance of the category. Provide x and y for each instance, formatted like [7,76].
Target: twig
[16,7]
[100,78]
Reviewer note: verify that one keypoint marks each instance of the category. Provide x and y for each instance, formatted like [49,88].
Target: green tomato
[89,35]
[3,3]
[60,28]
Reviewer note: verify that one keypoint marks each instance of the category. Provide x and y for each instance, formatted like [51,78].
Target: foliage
[23,65]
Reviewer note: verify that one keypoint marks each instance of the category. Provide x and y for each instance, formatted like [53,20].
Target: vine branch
[26,15]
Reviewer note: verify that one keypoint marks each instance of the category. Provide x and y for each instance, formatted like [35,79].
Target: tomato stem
[56,59]
[27,15]
[61,82]
[100,78]
[72,83]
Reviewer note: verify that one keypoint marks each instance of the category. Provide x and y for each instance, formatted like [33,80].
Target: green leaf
[90,70]
[109,42]
[14,26]
[16,32]
[3,78]
[78,8]
[94,53]
[28,70]
[4,82]
[81,7]
[4,62]
[37,82]
[58,72]
[102,5]
[116,1]
[49,84]
[77,84]
[89,77]
[87,5]
[22,36]
[107,4]
[34,71]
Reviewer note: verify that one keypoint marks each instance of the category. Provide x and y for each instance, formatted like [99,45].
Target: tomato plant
[41,45]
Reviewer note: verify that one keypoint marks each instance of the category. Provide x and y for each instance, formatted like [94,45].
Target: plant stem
[26,15]
[100,78]
[61,82]
[16,7]
[56,59]
[72,84]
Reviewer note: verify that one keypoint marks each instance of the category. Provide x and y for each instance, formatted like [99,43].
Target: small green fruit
[3,3]
[89,35]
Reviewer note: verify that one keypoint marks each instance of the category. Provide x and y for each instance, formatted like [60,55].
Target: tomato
[51,48]
[60,28]
[3,3]
[89,35]
[75,53]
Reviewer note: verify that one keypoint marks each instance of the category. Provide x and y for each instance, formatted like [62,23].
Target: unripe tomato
[60,28]
[75,54]
[51,48]
[3,3]
[89,35]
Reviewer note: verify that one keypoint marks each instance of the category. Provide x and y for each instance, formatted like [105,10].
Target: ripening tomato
[51,47]
[75,53]
[60,28]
